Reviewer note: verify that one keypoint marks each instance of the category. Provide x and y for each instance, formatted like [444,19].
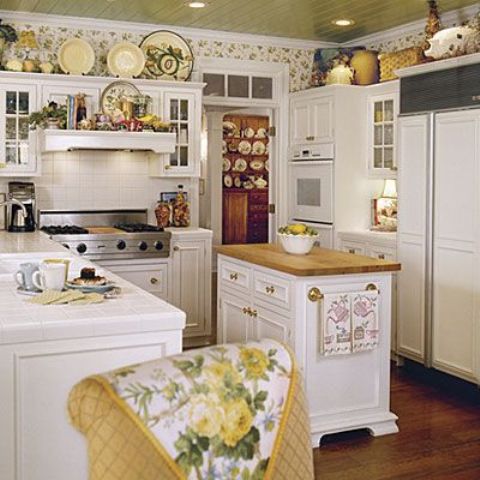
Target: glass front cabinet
[18,154]
[180,109]
[382,117]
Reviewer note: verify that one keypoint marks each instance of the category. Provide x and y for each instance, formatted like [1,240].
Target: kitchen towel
[336,329]
[365,325]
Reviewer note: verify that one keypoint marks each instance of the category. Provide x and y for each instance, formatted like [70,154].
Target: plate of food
[244,147]
[240,165]
[258,148]
[89,281]
[227,164]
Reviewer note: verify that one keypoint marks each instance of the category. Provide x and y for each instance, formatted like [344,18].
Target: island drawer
[272,289]
[235,276]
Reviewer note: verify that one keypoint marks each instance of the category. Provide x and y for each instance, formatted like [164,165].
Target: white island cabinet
[45,350]
[264,292]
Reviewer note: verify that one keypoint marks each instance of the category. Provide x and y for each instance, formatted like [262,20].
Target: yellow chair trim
[134,417]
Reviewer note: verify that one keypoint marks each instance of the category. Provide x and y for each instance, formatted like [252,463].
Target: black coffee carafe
[23,192]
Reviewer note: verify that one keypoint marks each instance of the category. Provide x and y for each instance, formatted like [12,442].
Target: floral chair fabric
[224,412]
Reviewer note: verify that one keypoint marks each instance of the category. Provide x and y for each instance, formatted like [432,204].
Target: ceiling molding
[447,18]
[145,28]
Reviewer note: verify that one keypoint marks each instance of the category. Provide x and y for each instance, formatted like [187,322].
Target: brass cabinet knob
[310,138]
[167,167]
[176,249]
[372,287]
[234,276]
[381,256]
[314,294]
[270,290]
[254,313]
[154,281]
[351,250]
[246,310]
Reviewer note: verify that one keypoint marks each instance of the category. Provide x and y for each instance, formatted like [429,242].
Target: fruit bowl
[297,239]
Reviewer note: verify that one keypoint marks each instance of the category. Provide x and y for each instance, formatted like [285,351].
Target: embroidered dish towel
[365,325]
[336,325]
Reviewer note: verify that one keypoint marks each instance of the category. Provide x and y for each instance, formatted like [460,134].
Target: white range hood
[53,140]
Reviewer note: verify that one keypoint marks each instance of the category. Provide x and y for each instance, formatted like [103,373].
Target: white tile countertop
[134,311]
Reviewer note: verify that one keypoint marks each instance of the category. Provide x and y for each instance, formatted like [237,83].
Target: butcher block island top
[320,261]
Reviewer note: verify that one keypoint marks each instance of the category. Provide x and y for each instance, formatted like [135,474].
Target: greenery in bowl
[50,112]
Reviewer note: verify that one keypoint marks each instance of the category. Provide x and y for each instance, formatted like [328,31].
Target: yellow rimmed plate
[76,56]
[125,60]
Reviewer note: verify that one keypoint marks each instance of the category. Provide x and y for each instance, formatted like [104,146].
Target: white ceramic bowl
[297,244]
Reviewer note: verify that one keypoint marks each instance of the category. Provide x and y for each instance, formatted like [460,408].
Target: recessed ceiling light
[343,22]
[197,4]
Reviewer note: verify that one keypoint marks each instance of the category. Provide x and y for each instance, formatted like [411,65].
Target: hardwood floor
[439,421]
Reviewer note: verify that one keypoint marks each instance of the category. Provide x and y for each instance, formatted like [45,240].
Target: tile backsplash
[98,180]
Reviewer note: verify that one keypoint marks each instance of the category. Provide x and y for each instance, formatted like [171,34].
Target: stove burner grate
[138,227]
[64,230]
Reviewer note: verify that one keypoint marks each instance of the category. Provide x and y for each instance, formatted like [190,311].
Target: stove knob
[158,245]
[121,245]
[81,248]
[143,246]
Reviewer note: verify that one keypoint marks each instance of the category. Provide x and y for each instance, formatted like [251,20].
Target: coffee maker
[23,192]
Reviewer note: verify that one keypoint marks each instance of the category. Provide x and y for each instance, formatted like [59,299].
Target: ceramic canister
[365,65]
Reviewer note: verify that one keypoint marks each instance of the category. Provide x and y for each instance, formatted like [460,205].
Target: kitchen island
[45,350]
[265,292]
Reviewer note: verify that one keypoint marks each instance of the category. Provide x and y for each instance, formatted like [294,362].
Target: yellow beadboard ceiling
[307,19]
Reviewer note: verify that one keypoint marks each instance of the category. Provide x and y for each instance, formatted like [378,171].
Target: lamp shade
[390,189]
[27,40]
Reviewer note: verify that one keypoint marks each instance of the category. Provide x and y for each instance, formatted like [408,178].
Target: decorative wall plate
[113,94]
[249,132]
[228,181]
[257,165]
[258,148]
[224,146]
[240,165]
[167,56]
[261,133]
[76,56]
[237,182]
[227,164]
[230,129]
[267,165]
[244,147]
[125,60]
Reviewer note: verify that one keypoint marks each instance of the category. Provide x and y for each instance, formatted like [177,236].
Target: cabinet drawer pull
[351,250]
[246,310]
[310,138]
[381,256]
[270,290]
[253,313]
[234,276]
[154,281]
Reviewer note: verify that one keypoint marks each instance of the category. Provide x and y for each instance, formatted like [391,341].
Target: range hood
[53,140]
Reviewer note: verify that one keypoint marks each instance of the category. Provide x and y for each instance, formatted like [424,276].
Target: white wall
[98,180]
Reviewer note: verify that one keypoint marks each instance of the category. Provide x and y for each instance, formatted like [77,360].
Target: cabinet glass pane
[183,156]
[11,102]
[388,135]
[174,109]
[215,85]
[174,158]
[378,157]
[378,135]
[183,137]
[378,112]
[11,154]
[262,87]
[23,153]
[183,109]
[388,157]
[237,86]
[23,128]
[388,114]
[11,128]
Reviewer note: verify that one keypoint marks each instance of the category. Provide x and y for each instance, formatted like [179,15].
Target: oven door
[312,191]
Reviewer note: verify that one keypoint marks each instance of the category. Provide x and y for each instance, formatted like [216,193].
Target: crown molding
[447,18]
[145,28]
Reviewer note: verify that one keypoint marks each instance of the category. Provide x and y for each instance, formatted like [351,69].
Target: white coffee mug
[50,276]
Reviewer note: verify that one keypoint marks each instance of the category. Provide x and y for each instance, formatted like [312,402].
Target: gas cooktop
[106,234]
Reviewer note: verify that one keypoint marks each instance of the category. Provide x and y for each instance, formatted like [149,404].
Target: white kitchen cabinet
[384,247]
[152,277]
[18,155]
[382,112]
[312,120]
[191,281]
[344,392]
